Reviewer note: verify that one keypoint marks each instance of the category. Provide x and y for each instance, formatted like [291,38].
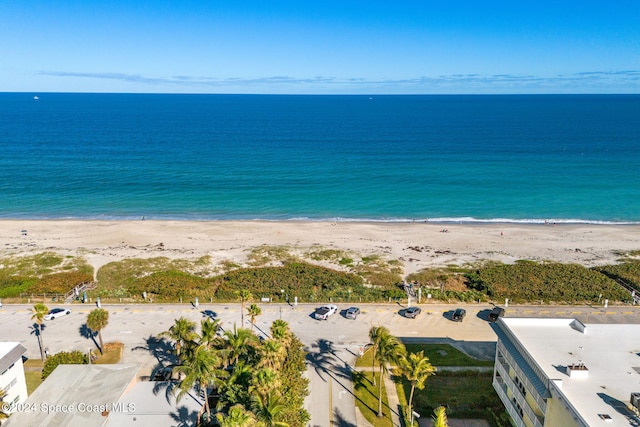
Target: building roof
[153,404]
[105,395]
[9,353]
[607,355]
[74,395]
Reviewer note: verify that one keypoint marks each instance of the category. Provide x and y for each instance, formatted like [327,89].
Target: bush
[303,280]
[59,283]
[14,286]
[527,281]
[171,284]
[63,358]
[627,273]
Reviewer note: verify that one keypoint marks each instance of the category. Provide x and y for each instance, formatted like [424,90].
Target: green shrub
[59,283]
[63,358]
[627,273]
[527,281]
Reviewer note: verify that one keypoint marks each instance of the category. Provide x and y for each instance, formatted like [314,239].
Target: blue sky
[319,47]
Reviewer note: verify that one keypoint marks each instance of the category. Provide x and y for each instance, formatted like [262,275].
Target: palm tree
[4,408]
[244,296]
[416,369]
[267,408]
[271,354]
[39,311]
[390,350]
[376,334]
[239,341]
[209,332]
[238,416]
[235,389]
[182,332]
[280,331]
[264,380]
[254,311]
[440,417]
[202,370]
[97,320]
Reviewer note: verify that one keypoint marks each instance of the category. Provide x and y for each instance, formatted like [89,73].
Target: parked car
[412,312]
[495,313]
[352,313]
[56,312]
[325,311]
[458,315]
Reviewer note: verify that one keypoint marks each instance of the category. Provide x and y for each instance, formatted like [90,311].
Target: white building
[12,379]
[563,373]
[105,395]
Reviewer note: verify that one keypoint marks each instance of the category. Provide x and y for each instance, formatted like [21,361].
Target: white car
[57,312]
[324,312]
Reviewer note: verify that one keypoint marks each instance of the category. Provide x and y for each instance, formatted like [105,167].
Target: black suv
[458,315]
[495,313]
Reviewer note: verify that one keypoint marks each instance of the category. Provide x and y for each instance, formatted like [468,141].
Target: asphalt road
[333,345]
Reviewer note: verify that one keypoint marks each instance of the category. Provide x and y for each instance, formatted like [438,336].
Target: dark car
[495,313]
[352,313]
[458,315]
[412,312]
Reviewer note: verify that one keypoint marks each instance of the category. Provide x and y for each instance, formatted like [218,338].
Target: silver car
[352,313]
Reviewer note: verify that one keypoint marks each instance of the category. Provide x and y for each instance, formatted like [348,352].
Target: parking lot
[338,340]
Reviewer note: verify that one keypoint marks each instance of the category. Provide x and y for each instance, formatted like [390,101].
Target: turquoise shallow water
[386,158]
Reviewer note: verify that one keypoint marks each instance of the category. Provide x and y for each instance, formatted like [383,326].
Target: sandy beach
[415,245]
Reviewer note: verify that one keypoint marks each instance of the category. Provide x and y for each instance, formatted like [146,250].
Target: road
[333,345]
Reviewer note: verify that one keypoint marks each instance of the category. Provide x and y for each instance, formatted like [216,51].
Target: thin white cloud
[614,79]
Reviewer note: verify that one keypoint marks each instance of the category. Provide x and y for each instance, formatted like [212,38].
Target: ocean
[529,158]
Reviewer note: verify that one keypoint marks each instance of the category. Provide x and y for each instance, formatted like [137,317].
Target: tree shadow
[159,348]
[320,359]
[361,380]
[340,421]
[185,417]
[621,408]
[324,360]
[36,329]
[86,332]
[210,314]
[168,388]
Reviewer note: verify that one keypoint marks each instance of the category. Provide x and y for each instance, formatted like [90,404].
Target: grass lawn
[446,355]
[33,379]
[33,374]
[367,399]
[112,354]
[466,394]
[438,354]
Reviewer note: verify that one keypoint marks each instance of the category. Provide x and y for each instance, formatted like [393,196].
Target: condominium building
[12,379]
[564,373]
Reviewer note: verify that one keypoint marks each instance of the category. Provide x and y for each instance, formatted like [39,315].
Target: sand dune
[416,245]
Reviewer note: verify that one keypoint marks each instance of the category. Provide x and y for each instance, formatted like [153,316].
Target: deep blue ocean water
[387,158]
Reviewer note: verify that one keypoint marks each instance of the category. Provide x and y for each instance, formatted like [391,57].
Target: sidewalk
[392,399]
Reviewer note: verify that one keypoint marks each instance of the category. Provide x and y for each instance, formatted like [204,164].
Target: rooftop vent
[578,370]
[606,417]
[635,400]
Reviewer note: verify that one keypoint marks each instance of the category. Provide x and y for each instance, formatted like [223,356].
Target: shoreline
[416,245]
[433,221]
